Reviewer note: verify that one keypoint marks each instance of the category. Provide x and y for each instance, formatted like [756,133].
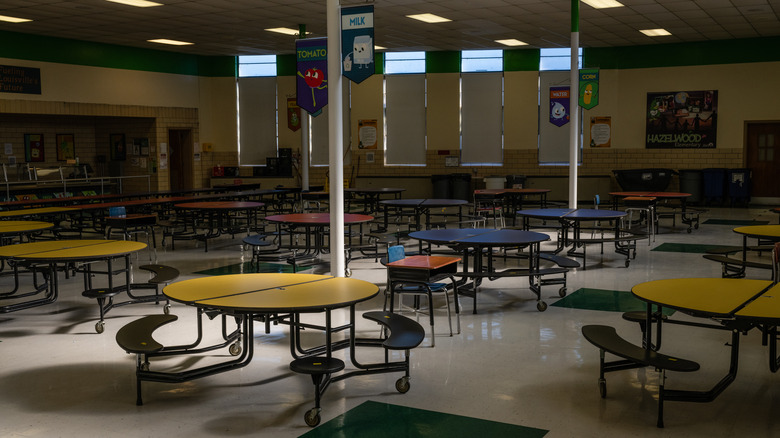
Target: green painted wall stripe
[286,65]
[521,60]
[442,62]
[684,54]
[47,49]
[379,63]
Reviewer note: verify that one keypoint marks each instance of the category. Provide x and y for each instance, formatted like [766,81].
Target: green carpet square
[383,420]
[606,300]
[249,268]
[691,248]
[734,222]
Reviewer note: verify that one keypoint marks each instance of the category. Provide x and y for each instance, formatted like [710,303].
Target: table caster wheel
[562,292]
[348,272]
[627,263]
[167,309]
[312,417]
[235,349]
[689,230]
[696,227]
[402,385]
[100,326]
[145,366]
[541,306]
[603,388]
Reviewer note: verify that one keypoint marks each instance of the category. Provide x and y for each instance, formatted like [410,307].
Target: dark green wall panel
[442,62]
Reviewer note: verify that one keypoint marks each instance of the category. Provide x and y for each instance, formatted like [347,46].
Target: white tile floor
[511,363]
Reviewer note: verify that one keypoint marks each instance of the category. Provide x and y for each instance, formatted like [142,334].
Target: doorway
[763,159]
[180,153]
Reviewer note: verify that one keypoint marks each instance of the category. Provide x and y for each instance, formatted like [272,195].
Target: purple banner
[559,106]
[312,74]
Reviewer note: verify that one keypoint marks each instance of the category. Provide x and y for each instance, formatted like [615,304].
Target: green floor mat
[380,420]
[249,268]
[734,222]
[606,300]
[692,248]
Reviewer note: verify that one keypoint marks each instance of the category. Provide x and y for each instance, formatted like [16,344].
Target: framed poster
[66,147]
[33,148]
[681,119]
[117,146]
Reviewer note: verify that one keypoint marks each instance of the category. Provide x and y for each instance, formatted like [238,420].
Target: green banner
[589,88]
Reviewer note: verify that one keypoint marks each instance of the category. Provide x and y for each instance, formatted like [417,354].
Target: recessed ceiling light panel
[512,42]
[603,4]
[136,3]
[655,32]
[13,19]
[170,42]
[429,18]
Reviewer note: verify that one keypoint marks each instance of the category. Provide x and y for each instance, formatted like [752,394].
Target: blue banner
[312,74]
[559,106]
[357,42]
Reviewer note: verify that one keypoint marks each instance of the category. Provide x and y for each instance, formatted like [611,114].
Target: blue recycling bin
[714,185]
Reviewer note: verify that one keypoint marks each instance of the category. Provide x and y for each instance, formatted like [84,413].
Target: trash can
[515,181]
[714,185]
[441,186]
[461,186]
[691,182]
[494,182]
[644,180]
[739,186]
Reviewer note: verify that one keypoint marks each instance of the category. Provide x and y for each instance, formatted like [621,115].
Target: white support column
[304,150]
[335,141]
[574,109]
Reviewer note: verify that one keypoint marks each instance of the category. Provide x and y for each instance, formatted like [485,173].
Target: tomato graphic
[314,77]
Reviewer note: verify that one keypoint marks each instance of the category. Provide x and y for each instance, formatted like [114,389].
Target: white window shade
[320,133]
[257,119]
[405,119]
[482,118]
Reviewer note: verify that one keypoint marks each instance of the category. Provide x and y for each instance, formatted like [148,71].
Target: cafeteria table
[371,196]
[690,218]
[569,218]
[67,253]
[513,199]
[734,305]
[255,296]
[314,227]
[11,228]
[419,208]
[220,217]
[476,242]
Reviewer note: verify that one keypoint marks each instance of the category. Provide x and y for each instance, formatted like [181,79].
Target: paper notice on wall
[163,160]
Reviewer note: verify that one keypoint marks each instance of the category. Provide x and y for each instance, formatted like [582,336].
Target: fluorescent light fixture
[429,18]
[603,4]
[13,19]
[512,42]
[170,42]
[284,30]
[379,47]
[655,32]
[136,3]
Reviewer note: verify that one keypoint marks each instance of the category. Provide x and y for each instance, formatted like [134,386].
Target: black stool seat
[317,365]
[103,292]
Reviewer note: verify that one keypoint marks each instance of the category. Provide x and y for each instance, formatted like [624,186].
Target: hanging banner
[293,115]
[357,42]
[559,106]
[312,72]
[589,88]
[682,119]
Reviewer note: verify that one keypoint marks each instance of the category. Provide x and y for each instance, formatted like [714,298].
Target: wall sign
[559,105]
[681,119]
[312,74]
[25,80]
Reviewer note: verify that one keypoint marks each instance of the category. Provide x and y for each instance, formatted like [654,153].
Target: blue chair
[417,287]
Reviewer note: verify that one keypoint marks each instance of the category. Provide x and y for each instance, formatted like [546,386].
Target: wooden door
[763,158]
[180,152]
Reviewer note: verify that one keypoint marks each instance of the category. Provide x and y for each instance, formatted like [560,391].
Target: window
[482,108]
[257,111]
[557,59]
[404,62]
[474,61]
[404,101]
[256,65]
